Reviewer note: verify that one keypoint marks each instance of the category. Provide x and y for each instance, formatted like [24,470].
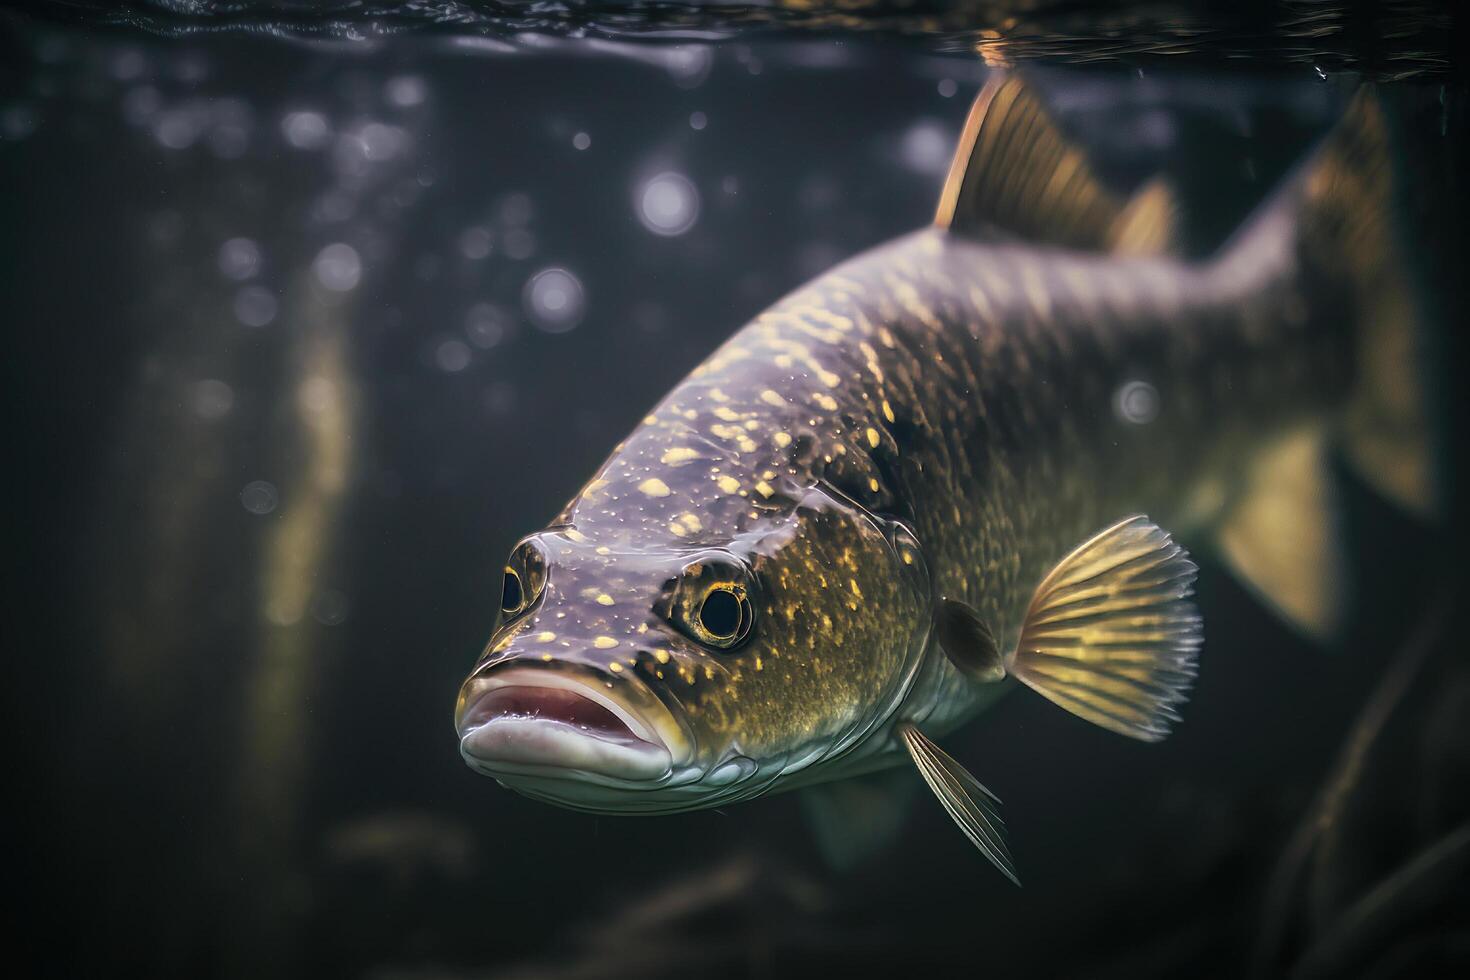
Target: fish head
[657,675]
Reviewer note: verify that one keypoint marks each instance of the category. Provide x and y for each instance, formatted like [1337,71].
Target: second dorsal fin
[1015,172]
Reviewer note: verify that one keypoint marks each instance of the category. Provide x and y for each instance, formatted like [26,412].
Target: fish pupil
[511,594]
[720,614]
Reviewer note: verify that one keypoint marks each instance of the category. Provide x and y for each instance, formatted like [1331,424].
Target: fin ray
[973,807]
[1111,634]
[1015,171]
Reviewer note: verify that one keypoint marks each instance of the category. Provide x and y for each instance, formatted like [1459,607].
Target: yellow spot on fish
[604,642]
[825,400]
[547,657]
[545,636]
[576,535]
[728,484]
[603,549]
[887,410]
[782,439]
[654,487]
[662,656]
[679,529]
[615,667]
[771,398]
[603,599]
[764,489]
[718,395]
[728,414]
[855,590]
[679,454]
[691,521]
[650,419]
[873,484]
[873,439]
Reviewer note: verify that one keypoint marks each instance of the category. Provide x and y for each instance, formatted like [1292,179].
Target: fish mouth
[522,720]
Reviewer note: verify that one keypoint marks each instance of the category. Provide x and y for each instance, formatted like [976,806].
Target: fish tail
[1347,232]
[1332,233]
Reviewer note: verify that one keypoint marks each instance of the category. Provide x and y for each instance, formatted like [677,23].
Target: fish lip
[493,742]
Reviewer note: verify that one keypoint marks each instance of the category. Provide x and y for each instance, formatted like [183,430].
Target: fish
[948,465]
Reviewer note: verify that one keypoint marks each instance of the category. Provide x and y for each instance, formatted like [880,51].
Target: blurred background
[307,321]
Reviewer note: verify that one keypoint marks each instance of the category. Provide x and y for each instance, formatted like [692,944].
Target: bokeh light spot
[554,300]
[668,204]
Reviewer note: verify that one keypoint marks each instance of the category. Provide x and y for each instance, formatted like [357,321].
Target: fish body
[881,497]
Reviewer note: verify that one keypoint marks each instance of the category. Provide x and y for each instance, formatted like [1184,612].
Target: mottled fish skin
[936,417]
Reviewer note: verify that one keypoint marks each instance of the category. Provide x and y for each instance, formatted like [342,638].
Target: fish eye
[525,574]
[711,600]
[723,614]
[512,596]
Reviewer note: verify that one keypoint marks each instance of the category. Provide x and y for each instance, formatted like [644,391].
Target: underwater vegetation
[315,311]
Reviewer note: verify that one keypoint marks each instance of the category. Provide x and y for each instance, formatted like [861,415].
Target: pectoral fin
[1111,634]
[969,804]
[855,818]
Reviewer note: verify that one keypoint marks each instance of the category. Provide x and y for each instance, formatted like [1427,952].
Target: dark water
[305,331]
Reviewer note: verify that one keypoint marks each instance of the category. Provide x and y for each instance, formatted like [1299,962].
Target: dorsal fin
[1015,172]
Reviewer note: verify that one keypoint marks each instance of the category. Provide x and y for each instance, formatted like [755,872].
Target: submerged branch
[1410,889]
[1322,817]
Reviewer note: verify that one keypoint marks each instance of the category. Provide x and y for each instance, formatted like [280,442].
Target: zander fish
[926,472]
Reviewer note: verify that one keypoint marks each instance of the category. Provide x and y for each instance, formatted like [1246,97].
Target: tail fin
[1346,225]
[1281,533]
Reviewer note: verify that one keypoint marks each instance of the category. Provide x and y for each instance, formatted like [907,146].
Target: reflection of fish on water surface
[926,470]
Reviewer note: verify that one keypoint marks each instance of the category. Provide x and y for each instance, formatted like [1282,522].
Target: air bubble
[1136,402]
[306,130]
[338,267]
[329,607]
[554,300]
[452,356]
[259,497]
[668,204]
[925,148]
[239,259]
[406,91]
[212,400]
[474,243]
[255,306]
